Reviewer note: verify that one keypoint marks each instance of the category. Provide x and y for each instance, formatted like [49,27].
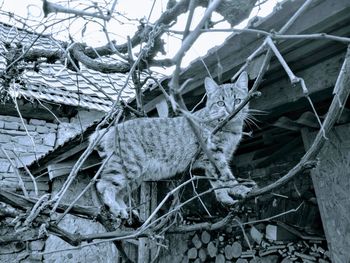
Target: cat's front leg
[113,197]
[221,187]
[228,188]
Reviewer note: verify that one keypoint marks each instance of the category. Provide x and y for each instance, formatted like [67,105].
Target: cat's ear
[210,85]
[242,81]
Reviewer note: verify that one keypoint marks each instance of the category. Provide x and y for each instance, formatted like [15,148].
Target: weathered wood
[236,249]
[202,254]
[27,235]
[153,205]
[192,253]
[32,110]
[23,203]
[256,235]
[196,241]
[162,108]
[205,237]
[286,123]
[143,247]
[279,153]
[331,184]
[229,253]
[212,249]
[341,93]
[64,168]
[62,156]
[318,77]
[277,233]
[220,259]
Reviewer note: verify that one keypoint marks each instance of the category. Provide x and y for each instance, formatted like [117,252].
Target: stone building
[42,108]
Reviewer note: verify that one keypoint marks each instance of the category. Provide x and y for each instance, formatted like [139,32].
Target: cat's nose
[229,109]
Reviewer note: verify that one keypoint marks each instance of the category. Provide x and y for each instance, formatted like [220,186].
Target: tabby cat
[158,148]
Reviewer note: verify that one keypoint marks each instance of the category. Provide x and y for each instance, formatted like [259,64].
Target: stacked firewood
[254,246]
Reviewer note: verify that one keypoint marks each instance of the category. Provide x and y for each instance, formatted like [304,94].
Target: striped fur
[158,148]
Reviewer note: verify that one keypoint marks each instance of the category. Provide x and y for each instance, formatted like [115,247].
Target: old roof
[55,83]
[316,61]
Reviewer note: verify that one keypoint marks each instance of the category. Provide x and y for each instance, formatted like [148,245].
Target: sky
[120,27]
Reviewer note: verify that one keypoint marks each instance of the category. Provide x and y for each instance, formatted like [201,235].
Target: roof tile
[55,83]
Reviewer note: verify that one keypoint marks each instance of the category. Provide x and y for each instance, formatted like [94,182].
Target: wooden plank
[318,77]
[162,108]
[331,181]
[153,204]
[62,156]
[64,168]
[31,110]
[143,248]
[280,153]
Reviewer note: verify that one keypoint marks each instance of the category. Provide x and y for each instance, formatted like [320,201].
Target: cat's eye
[237,101]
[220,103]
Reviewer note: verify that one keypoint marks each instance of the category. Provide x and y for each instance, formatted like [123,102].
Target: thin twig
[28,172]
[91,183]
[17,173]
[57,198]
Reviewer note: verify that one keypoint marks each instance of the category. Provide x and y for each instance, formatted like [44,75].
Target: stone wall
[23,140]
[73,126]
[103,253]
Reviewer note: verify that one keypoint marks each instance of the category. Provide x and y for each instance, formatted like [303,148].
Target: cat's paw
[241,190]
[222,195]
[119,212]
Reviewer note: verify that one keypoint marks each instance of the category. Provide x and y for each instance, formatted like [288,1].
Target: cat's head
[224,99]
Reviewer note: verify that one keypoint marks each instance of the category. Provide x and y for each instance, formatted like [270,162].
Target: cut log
[236,250]
[205,237]
[212,249]
[202,254]
[220,259]
[192,253]
[255,260]
[229,252]
[196,241]
[304,256]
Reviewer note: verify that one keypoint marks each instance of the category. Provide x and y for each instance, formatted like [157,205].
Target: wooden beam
[280,153]
[319,77]
[64,168]
[30,110]
[62,157]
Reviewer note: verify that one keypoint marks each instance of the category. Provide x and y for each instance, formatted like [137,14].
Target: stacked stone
[24,141]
